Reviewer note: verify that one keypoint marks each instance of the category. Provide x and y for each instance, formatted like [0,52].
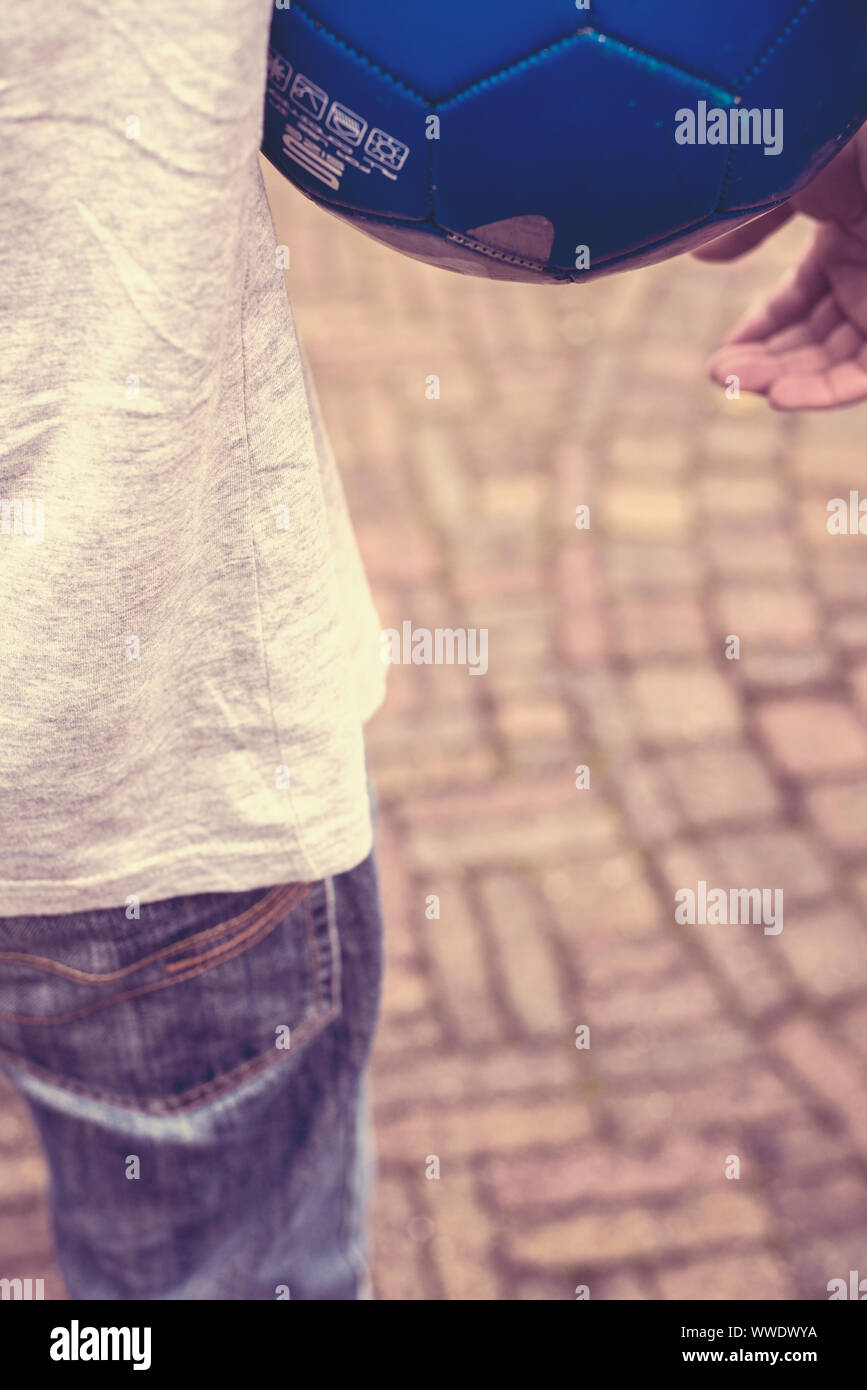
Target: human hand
[805,348]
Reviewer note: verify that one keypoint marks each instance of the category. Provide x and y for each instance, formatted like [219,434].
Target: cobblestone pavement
[603,1166]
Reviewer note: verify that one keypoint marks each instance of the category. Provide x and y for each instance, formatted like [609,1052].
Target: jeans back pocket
[169,1010]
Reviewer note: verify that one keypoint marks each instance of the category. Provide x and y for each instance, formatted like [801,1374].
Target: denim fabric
[193,1154]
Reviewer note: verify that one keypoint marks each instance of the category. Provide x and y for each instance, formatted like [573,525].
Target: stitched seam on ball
[641,56]
[368,62]
[728,170]
[840,140]
[731,159]
[774,45]
[495,254]
[648,58]
[420,224]
[707,220]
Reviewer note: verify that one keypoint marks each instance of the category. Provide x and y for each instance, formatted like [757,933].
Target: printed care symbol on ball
[390,151]
[279,71]
[308,96]
[345,123]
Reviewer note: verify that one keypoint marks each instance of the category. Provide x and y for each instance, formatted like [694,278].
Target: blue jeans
[197,1076]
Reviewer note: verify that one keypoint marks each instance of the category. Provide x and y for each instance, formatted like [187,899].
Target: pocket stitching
[199,1094]
[196,1095]
[286,896]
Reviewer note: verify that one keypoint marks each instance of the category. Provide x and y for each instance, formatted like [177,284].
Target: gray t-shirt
[188,648]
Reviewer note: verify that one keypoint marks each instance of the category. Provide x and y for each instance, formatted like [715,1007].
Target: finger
[825,318]
[754,371]
[824,322]
[745,238]
[799,335]
[816,328]
[841,385]
[850,290]
[757,370]
[844,344]
[795,299]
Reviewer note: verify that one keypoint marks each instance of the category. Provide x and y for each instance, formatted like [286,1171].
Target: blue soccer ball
[558,140]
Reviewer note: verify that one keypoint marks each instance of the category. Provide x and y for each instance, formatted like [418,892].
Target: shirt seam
[300,840]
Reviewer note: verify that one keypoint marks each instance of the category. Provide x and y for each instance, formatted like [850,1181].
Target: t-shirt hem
[236,871]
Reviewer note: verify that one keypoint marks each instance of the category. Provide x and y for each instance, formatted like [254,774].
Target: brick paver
[605,1164]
